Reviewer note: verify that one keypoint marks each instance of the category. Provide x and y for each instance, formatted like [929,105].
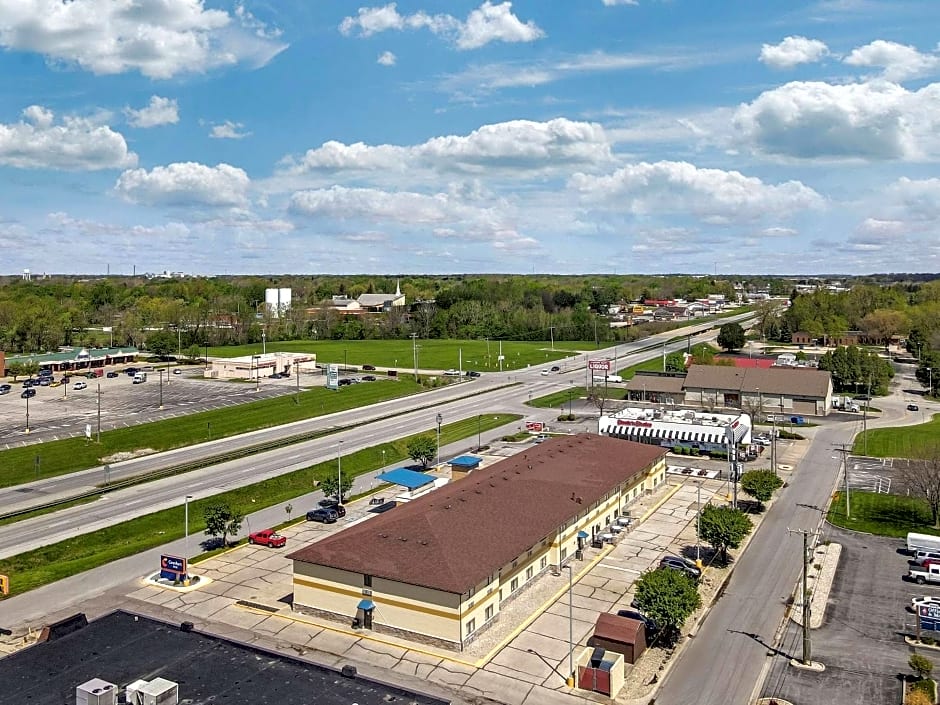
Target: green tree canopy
[669,597]
[760,484]
[222,521]
[331,485]
[731,336]
[422,449]
[723,528]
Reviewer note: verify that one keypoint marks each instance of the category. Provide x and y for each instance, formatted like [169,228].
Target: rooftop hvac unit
[132,692]
[159,691]
[96,692]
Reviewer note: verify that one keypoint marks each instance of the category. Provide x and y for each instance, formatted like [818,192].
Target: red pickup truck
[268,537]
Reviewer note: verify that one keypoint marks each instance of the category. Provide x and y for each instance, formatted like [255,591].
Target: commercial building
[258,366]
[781,390]
[705,432]
[440,568]
[75,358]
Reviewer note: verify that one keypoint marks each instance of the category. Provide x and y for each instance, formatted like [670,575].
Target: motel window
[489,613]
[471,626]
[543,563]
[528,573]
[564,554]
[514,585]
[470,592]
[367,581]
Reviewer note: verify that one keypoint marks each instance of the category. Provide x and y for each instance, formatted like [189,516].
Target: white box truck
[922,542]
[140,377]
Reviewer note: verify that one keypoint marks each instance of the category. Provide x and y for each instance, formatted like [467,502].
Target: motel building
[440,568]
[670,428]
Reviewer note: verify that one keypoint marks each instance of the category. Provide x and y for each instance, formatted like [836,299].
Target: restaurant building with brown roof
[781,390]
[440,568]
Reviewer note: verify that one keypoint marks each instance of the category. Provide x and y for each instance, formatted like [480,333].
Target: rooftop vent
[96,692]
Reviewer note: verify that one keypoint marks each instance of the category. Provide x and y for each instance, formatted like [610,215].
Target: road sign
[599,365]
[332,376]
[535,426]
[172,567]
[929,616]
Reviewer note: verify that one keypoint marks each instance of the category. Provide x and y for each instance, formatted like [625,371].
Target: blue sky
[571,136]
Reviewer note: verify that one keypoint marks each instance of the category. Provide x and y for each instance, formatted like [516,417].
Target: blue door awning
[366,605]
[583,535]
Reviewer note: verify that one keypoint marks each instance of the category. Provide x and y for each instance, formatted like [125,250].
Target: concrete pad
[556,627]
[146,592]
[374,653]
[207,608]
[299,633]
[416,670]
[333,642]
[452,674]
[547,696]
[238,617]
[506,689]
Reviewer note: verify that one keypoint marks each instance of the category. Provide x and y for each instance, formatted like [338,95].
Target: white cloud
[159,38]
[77,144]
[612,3]
[487,23]
[160,111]
[898,61]
[185,183]
[677,187]
[228,130]
[517,144]
[793,51]
[779,232]
[874,120]
[387,58]
[917,199]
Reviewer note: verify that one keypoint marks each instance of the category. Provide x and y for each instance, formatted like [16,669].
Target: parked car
[27,393]
[368,378]
[368,367]
[648,622]
[5,388]
[131,371]
[921,557]
[913,407]
[55,383]
[333,503]
[112,374]
[862,397]
[177,371]
[451,373]
[324,515]
[268,537]
[80,385]
[45,381]
[345,381]
[761,441]
[676,563]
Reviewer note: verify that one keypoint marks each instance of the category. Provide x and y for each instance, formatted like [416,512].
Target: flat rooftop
[122,647]
[677,416]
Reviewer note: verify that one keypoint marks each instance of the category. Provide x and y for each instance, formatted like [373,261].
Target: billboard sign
[332,376]
[172,567]
[599,365]
[535,426]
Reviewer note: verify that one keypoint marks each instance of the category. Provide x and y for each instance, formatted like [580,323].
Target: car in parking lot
[45,381]
[130,371]
[862,397]
[80,385]
[676,563]
[268,537]
[27,393]
[760,441]
[922,557]
[177,371]
[5,388]
[368,378]
[324,515]
[652,629]
[369,367]
[112,374]
[345,381]
[913,407]
[333,503]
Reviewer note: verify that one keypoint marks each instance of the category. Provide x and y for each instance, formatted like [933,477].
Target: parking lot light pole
[99,412]
[439,420]
[160,373]
[186,523]
[339,472]
[479,429]
[27,410]
[570,679]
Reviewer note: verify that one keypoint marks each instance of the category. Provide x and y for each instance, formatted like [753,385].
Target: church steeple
[397,287]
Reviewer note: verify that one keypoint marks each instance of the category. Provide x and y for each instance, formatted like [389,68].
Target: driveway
[861,641]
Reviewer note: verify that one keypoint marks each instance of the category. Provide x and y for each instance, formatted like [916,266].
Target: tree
[598,395]
[918,697]
[669,597]
[760,484]
[922,477]
[161,343]
[222,520]
[194,352]
[331,487]
[723,528]
[731,336]
[921,665]
[675,362]
[422,449]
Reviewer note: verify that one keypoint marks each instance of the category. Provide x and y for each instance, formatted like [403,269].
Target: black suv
[324,515]
[675,563]
[333,503]
[472,373]
[648,622]
[369,367]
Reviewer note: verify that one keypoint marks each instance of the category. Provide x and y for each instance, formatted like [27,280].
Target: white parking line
[617,567]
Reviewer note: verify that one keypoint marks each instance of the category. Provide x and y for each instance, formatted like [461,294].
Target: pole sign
[535,426]
[929,616]
[332,376]
[599,365]
[172,567]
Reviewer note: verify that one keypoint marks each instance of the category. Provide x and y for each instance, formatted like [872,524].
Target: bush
[929,640]
[921,665]
[919,697]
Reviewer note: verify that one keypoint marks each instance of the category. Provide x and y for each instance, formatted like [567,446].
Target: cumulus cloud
[517,144]
[387,58]
[793,51]
[229,130]
[898,62]
[675,187]
[159,111]
[487,23]
[874,120]
[185,183]
[159,39]
[75,144]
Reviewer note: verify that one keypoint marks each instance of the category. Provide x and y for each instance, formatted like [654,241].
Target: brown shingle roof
[454,537]
[656,383]
[796,381]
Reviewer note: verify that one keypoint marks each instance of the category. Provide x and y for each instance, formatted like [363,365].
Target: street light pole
[207,353]
[27,410]
[479,434]
[99,412]
[186,524]
[698,525]
[160,372]
[570,679]
[439,420]
[339,472]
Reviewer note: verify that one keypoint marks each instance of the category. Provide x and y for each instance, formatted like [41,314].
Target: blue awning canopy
[406,478]
[366,605]
[583,535]
[466,461]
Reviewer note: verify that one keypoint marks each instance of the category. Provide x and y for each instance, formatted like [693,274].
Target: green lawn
[560,399]
[48,564]
[882,514]
[432,354]
[18,465]
[902,441]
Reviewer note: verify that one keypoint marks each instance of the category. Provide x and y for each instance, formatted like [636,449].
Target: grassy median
[882,514]
[49,564]
[920,441]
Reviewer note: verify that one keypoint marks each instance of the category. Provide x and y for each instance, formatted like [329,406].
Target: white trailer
[922,542]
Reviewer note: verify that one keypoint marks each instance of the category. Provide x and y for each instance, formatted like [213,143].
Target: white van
[922,542]
[140,377]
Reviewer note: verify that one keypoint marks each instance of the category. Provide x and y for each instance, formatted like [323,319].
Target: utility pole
[99,412]
[773,444]
[807,645]
[551,332]
[414,352]
[865,419]
[297,395]
[845,469]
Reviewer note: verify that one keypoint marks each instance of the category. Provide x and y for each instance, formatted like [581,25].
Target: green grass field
[48,564]
[882,514]
[18,465]
[432,354]
[918,441]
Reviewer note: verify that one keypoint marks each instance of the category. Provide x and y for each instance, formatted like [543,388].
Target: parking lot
[861,641]
[60,412]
